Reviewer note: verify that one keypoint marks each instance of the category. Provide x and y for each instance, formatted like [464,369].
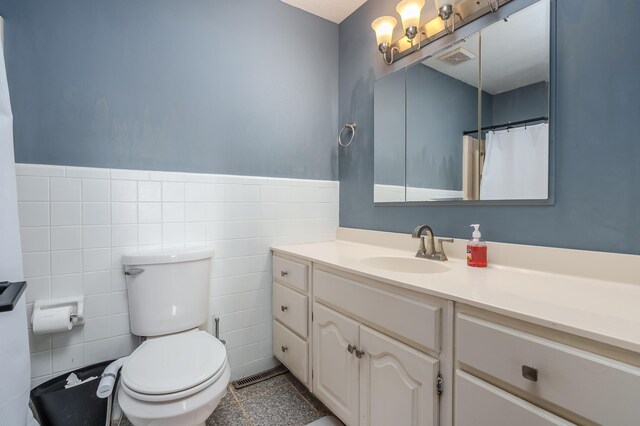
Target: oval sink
[411,265]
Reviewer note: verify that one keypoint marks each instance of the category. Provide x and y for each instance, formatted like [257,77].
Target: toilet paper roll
[52,320]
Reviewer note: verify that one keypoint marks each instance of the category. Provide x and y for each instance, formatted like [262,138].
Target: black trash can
[77,406]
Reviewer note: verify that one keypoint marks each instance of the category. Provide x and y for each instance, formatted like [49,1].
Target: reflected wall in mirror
[475,118]
[442,102]
[389,136]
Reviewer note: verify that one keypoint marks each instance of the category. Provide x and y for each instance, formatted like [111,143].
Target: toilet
[179,374]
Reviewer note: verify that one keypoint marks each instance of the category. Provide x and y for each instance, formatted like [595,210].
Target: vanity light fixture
[409,11]
[449,16]
[383,27]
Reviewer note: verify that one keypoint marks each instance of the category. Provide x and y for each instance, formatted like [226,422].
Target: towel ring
[351,126]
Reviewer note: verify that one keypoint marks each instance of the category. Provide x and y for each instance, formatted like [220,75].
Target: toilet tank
[168,291]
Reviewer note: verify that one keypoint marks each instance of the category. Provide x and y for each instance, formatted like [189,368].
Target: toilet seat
[171,396]
[191,410]
[172,367]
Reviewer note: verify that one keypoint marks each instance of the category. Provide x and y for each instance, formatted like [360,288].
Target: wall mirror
[470,122]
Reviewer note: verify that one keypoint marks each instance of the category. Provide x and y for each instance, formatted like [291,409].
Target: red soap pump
[477,249]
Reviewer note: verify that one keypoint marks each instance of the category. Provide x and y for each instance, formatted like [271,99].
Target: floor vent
[256,378]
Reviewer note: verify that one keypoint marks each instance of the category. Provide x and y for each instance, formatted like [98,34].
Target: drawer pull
[283,273]
[284,348]
[530,373]
[351,348]
[283,308]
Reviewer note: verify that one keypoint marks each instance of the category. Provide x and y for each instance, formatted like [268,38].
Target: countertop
[604,311]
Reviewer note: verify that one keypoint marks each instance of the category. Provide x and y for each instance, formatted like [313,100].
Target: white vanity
[453,345]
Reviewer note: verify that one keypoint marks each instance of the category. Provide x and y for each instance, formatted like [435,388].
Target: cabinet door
[335,369]
[398,383]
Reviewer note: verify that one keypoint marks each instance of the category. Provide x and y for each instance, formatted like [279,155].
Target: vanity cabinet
[291,315]
[371,364]
[367,378]
[552,376]
[377,353]
[354,342]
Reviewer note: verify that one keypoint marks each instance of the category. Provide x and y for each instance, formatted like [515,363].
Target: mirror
[388,145]
[470,122]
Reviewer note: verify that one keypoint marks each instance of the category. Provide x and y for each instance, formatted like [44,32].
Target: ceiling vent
[456,56]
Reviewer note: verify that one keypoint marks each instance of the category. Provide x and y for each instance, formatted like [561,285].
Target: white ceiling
[338,10]
[465,71]
[514,53]
[332,10]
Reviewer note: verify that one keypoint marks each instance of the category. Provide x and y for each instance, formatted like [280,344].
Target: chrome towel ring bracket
[350,126]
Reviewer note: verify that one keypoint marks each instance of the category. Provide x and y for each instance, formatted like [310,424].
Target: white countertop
[600,310]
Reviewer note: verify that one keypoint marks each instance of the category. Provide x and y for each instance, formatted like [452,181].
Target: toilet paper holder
[76,303]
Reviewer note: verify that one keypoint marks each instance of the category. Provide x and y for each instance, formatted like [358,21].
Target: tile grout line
[303,397]
[244,411]
[313,409]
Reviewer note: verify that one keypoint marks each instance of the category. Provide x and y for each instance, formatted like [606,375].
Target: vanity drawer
[292,351]
[290,272]
[599,389]
[290,308]
[480,404]
[398,315]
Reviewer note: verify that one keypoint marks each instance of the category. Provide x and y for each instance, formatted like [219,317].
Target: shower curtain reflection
[516,165]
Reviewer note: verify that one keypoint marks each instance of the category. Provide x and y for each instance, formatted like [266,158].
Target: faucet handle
[443,255]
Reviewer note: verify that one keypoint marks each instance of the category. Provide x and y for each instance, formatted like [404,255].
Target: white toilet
[179,374]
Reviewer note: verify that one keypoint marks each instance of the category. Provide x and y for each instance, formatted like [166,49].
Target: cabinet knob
[284,348]
[283,308]
[359,353]
[351,348]
[283,273]
[530,373]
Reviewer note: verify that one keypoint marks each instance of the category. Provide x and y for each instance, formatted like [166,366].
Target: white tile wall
[77,222]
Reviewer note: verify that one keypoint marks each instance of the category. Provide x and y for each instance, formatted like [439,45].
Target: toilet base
[190,411]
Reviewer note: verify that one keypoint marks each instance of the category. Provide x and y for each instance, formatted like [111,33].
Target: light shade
[409,11]
[383,27]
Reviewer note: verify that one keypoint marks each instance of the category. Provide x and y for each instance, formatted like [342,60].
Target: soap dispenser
[476,249]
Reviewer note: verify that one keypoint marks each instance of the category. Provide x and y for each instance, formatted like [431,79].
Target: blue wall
[523,103]
[389,108]
[439,109]
[597,183]
[239,87]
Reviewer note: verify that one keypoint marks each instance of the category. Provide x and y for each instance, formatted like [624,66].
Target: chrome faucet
[424,251]
[429,251]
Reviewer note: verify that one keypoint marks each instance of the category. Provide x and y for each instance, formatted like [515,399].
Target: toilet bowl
[177,379]
[178,376]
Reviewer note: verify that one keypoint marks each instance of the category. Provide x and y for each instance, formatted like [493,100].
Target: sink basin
[411,265]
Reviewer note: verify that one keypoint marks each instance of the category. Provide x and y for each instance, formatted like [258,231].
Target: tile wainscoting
[77,222]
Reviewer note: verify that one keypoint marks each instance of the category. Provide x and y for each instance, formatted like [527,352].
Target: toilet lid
[173,363]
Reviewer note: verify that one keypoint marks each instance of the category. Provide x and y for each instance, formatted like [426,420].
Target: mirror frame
[472,28]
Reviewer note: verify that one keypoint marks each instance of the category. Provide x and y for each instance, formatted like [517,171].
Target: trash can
[76,406]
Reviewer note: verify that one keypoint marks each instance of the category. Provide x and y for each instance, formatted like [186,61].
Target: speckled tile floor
[281,400]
